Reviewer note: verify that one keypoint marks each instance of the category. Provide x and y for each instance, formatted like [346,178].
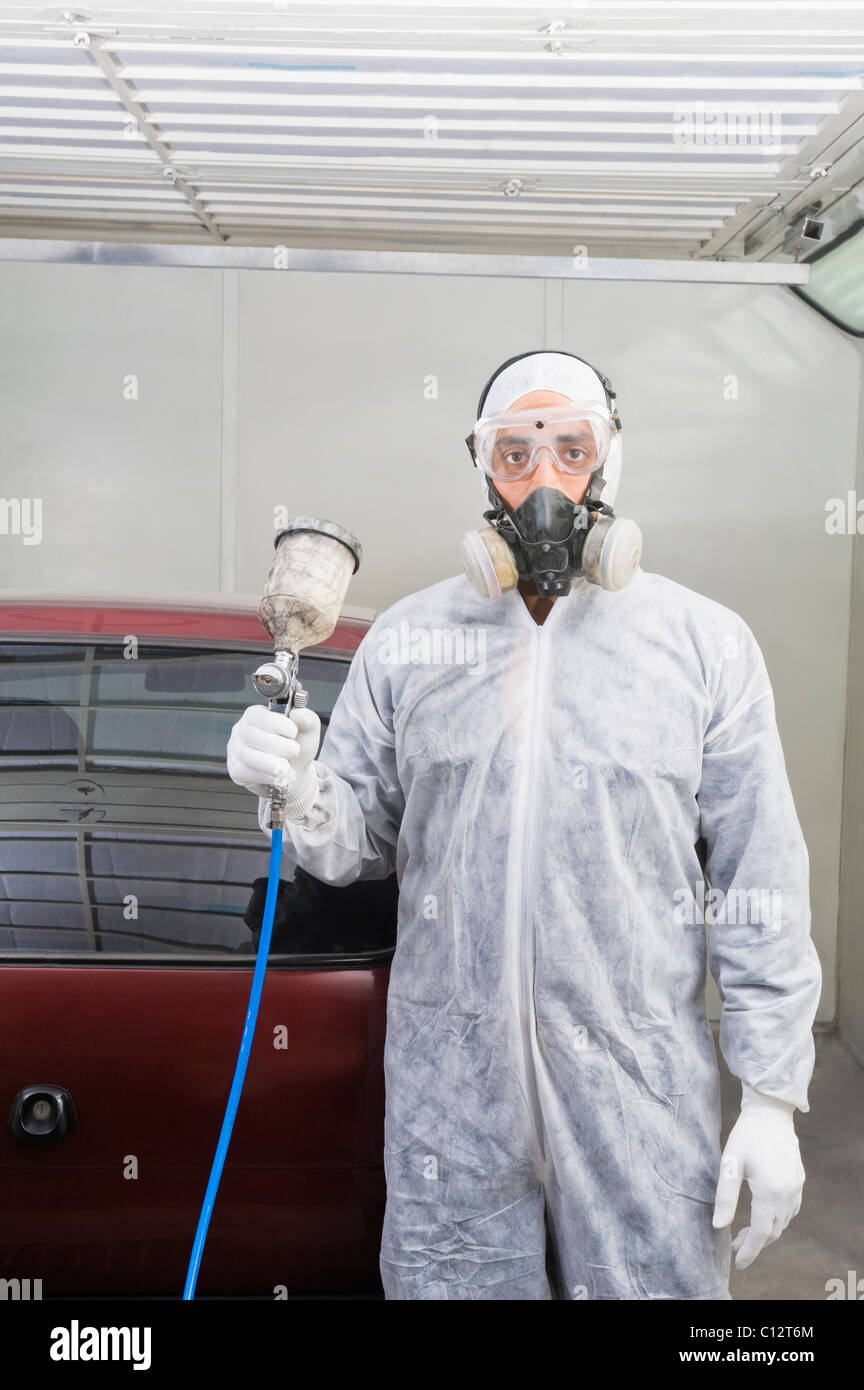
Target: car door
[131,872]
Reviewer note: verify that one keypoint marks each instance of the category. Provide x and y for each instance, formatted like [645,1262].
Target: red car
[132,874]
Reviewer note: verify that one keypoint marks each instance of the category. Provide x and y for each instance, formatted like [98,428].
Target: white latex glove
[763,1148]
[267,747]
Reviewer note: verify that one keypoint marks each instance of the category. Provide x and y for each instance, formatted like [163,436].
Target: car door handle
[41,1114]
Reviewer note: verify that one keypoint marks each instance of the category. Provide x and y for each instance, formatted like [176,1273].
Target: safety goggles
[575,438]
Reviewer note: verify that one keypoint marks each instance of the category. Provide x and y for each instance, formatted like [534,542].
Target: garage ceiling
[632,129]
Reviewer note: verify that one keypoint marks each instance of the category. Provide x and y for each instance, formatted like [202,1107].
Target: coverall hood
[571,377]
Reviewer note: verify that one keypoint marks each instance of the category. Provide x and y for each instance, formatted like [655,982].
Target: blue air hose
[240,1069]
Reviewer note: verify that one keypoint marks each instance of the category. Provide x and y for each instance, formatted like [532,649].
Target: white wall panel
[129,487]
[356,394]
[850,973]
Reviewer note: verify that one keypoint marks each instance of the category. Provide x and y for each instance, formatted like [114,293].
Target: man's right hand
[266,747]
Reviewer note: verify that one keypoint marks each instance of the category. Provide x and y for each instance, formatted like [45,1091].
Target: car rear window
[121,834]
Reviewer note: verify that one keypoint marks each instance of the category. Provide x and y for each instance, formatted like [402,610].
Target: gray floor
[826,1238]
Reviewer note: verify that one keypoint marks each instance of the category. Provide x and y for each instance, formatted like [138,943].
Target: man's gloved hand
[763,1148]
[267,747]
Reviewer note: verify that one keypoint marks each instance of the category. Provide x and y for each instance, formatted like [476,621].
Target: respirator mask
[548,538]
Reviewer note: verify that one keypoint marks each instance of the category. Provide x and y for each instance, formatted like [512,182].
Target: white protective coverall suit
[540,792]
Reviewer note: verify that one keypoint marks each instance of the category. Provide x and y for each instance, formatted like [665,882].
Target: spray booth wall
[850,954]
[162,415]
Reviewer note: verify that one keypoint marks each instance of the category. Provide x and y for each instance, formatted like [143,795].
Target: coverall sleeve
[764,961]
[352,828]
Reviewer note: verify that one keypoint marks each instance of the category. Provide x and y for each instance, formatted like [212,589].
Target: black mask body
[546,534]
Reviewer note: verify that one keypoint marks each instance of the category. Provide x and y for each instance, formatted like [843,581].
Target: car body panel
[146,1045]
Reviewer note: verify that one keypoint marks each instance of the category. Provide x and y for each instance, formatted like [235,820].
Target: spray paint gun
[307,582]
[305,589]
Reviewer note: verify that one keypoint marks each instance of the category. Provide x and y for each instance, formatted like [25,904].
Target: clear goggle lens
[576,438]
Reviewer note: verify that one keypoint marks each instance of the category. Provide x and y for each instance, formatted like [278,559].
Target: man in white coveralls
[552,1120]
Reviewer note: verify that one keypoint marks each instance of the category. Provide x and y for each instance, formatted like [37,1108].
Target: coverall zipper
[527,938]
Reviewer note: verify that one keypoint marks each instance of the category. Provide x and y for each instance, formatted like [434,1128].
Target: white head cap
[570,377]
